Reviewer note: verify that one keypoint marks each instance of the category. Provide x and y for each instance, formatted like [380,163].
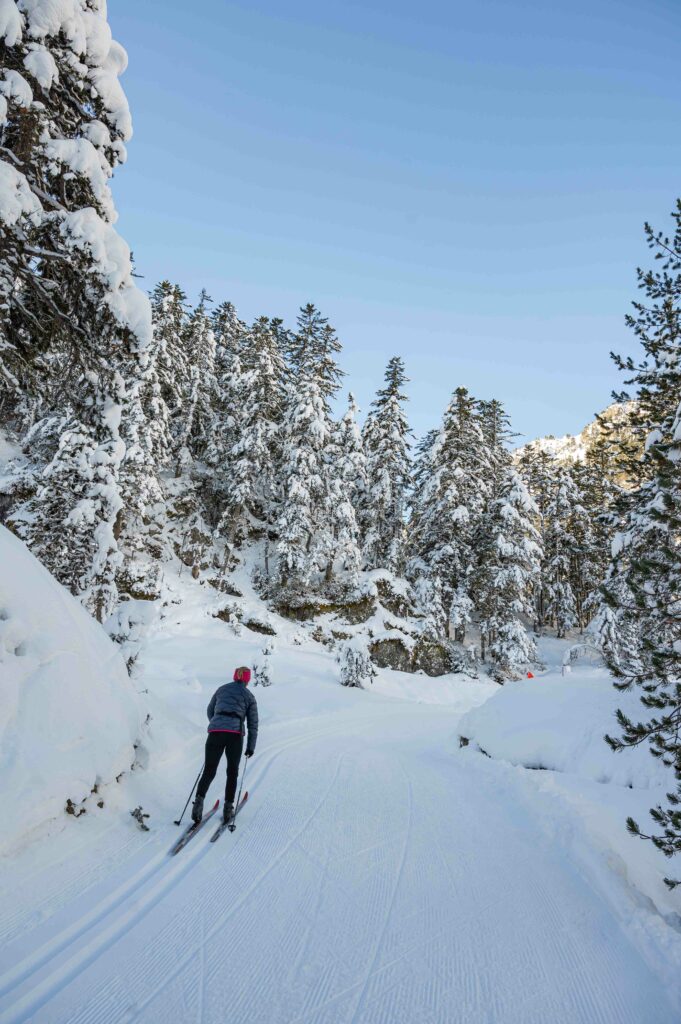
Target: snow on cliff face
[68,713]
[572,448]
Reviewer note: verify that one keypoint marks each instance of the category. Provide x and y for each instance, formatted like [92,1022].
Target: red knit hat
[242,675]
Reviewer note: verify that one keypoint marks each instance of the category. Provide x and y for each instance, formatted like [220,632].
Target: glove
[249,753]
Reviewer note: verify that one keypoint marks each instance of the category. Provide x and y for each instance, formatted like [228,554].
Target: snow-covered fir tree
[259,394]
[448,513]
[170,315]
[644,583]
[345,482]
[356,666]
[538,470]
[312,351]
[386,447]
[510,566]
[197,418]
[560,554]
[73,325]
[300,525]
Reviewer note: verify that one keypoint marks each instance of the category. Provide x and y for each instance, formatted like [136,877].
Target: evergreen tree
[504,586]
[451,502]
[231,333]
[387,447]
[656,324]
[345,479]
[303,492]
[496,430]
[352,470]
[197,419]
[356,666]
[538,470]
[255,456]
[72,323]
[643,587]
[590,530]
[560,552]
[170,319]
[312,351]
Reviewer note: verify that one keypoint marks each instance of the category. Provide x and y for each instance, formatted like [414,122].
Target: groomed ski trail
[375,878]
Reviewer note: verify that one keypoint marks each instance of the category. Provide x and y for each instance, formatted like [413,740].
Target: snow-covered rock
[69,715]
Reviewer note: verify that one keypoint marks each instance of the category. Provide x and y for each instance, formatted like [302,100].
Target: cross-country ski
[231,823]
[193,830]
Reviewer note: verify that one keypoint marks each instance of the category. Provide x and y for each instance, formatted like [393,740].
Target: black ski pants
[218,743]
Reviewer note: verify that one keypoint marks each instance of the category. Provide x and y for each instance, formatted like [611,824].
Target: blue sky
[462,184]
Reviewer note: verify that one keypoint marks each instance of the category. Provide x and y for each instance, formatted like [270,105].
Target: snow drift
[558,722]
[68,713]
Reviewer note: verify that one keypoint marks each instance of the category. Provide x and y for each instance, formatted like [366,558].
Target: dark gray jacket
[230,706]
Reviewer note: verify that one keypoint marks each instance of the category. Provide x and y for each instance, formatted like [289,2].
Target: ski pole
[189,797]
[238,799]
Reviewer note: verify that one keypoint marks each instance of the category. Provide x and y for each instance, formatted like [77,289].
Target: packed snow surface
[68,713]
[378,872]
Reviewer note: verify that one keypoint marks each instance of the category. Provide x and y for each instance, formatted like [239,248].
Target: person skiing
[230,706]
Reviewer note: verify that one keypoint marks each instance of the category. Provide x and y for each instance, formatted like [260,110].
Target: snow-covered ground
[378,873]
[69,716]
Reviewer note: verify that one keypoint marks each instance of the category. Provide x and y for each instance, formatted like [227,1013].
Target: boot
[197,810]
[227,813]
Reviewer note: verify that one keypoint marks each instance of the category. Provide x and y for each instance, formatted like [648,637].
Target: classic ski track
[72,886]
[114,903]
[110,906]
[376,992]
[388,913]
[54,947]
[125,918]
[219,924]
[363,983]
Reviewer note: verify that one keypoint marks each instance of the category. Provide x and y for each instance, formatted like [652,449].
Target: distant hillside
[572,448]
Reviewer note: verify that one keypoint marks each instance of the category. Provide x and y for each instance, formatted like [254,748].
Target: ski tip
[216,805]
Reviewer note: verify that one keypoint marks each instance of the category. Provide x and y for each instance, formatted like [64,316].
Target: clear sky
[462,183]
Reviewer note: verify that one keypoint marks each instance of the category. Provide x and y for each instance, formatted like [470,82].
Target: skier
[230,706]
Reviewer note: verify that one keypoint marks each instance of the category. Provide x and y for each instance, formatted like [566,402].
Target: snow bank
[68,713]
[558,722]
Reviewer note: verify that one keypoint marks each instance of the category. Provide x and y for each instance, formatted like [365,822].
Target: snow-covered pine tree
[538,470]
[312,351]
[263,666]
[560,552]
[386,446]
[356,666]
[303,490]
[197,419]
[655,323]
[497,434]
[230,332]
[646,569]
[592,542]
[231,344]
[448,509]
[506,578]
[170,316]
[73,324]
[259,394]
[142,537]
[307,526]
[345,468]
